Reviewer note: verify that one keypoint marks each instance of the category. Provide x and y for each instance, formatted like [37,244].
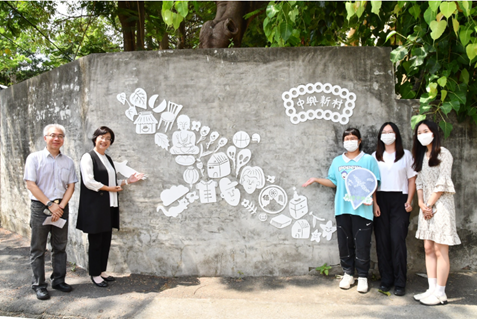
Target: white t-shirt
[395,176]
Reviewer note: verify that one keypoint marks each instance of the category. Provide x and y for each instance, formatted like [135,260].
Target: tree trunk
[181,39]
[164,42]
[128,24]
[140,26]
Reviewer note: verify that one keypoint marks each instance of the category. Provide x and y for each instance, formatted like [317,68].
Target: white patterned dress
[441,228]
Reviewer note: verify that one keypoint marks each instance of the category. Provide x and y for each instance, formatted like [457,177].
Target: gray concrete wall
[229,91]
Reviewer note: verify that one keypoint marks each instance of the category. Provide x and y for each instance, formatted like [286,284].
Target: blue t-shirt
[337,173]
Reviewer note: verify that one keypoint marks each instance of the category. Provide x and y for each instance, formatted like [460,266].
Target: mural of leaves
[139,98]
[121,98]
[161,140]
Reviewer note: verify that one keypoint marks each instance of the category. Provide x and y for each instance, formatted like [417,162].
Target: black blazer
[95,214]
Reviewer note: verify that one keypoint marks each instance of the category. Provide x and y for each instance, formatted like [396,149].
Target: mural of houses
[145,123]
[218,165]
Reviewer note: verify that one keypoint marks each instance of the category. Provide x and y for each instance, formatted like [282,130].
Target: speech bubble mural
[360,184]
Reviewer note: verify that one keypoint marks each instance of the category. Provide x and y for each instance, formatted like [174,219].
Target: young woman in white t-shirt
[392,208]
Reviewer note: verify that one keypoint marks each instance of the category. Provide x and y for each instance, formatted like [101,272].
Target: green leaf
[455,24]
[464,76]
[434,5]
[455,105]
[375,7]
[471,51]
[443,95]
[167,17]
[251,14]
[442,81]
[415,11]
[464,5]
[350,10]
[432,89]
[448,8]
[437,28]
[398,54]
[176,20]
[416,119]
[406,91]
[326,272]
[429,15]
[2,30]
[446,128]
[271,10]
[360,8]
[285,30]
[446,107]
[182,8]
[464,35]
[293,14]
[390,34]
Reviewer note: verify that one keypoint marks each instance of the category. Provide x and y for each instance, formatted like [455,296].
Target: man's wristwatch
[49,203]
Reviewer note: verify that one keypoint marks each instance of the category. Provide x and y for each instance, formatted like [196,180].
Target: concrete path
[141,296]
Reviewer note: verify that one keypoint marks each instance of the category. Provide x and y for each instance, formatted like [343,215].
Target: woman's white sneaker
[347,281]
[423,295]
[434,300]
[362,284]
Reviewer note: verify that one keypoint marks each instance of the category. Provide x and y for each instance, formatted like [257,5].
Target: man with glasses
[50,177]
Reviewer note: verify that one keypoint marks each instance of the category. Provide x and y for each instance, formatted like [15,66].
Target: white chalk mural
[214,160]
[319,101]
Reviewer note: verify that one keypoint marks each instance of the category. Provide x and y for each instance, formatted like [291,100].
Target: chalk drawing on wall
[123,169]
[273,199]
[298,205]
[185,160]
[270,179]
[218,165]
[301,229]
[161,140]
[168,117]
[315,219]
[262,217]
[319,101]
[256,138]
[243,157]
[231,151]
[229,192]
[131,112]
[183,141]
[207,191]
[161,107]
[192,197]
[138,98]
[250,206]
[191,175]
[316,236]
[328,229]
[175,210]
[152,100]
[170,195]
[280,221]
[204,131]
[222,142]
[200,167]
[145,123]
[213,136]
[252,178]
[241,139]
[195,125]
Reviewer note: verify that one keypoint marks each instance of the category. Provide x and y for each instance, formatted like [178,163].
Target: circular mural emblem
[273,199]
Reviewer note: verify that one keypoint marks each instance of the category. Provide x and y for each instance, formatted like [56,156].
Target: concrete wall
[229,91]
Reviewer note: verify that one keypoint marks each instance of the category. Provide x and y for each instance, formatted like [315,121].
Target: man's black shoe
[384,288]
[63,287]
[42,293]
[398,291]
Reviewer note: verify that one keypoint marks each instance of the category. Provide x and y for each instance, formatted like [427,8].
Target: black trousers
[354,242]
[99,245]
[391,230]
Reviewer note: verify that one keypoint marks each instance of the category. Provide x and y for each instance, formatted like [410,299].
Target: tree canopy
[434,43]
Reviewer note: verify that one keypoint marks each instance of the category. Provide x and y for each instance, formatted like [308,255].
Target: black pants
[99,245]
[354,242]
[391,231]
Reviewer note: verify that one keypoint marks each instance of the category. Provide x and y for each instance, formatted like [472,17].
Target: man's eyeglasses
[53,136]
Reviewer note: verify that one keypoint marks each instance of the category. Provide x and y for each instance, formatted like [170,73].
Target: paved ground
[140,296]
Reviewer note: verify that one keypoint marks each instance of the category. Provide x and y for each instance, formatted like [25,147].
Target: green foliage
[324,269]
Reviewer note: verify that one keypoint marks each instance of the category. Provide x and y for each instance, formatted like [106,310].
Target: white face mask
[425,138]
[388,138]
[351,146]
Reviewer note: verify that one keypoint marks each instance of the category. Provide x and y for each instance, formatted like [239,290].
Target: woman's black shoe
[109,278]
[102,284]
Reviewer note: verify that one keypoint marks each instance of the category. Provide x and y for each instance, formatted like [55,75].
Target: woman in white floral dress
[437,226]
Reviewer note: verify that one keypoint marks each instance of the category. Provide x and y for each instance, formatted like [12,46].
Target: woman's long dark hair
[355,132]
[380,146]
[419,151]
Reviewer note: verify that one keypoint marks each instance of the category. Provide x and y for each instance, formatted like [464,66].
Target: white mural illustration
[250,206]
[204,131]
[315,219]
[207,191]
[231,151]
[316,236]
[183,141]
[280,221]
[191,175]
[252,178]
[192,197]
[262,217]
[241,139]
[273,199]
[126,171]
[298,205]
[185,160]
[229,192]
[218,165]
[319,101]
[195,126]
[145,123]
[175,210]
[213,136]
[168,117]
[271,179]
[256,138]
[301,229]
[328,229]
[243,158]
[169,196]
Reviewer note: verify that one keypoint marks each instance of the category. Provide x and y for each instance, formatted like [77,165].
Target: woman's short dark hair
[419,151]
[355,132]
[380,145]
[102,131]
